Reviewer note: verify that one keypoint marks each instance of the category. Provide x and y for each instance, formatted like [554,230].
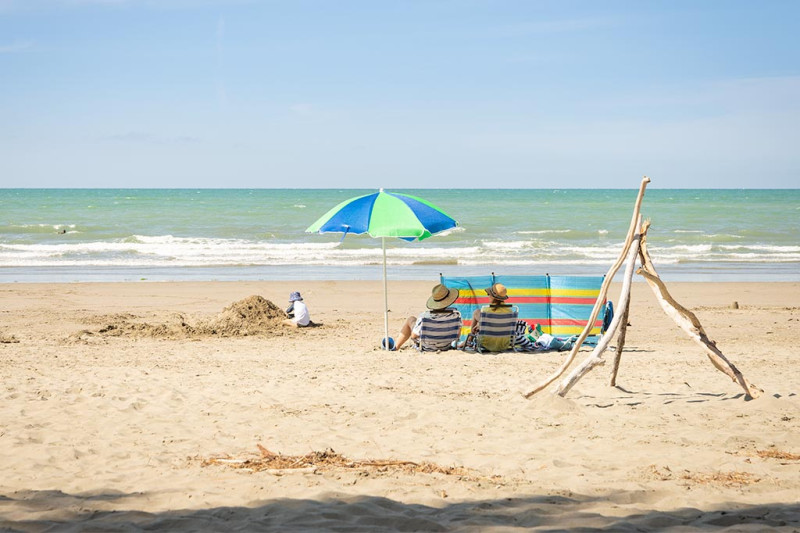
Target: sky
[400,94]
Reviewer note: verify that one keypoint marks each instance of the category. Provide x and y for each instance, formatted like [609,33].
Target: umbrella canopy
[385,214]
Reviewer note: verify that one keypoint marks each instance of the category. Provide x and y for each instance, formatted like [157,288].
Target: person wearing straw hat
[297,312]
[439,302]
[498,294]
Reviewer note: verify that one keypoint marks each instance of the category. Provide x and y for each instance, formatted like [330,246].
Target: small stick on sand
[285,471]
[623,330]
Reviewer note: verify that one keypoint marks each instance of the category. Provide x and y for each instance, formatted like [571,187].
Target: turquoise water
[236,234]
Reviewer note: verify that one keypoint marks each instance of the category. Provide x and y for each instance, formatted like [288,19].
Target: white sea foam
[722,235]
[543,231]
[510,246]
[24,227]
[166,250]
[426,253]
[174,251]
[457,229]
[759,247]
[686,248]
[529,261]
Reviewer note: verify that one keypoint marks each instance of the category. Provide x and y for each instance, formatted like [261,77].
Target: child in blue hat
[297,312]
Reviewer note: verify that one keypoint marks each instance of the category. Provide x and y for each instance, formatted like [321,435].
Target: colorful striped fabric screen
[561,305]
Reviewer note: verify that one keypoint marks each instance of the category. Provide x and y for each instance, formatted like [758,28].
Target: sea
[85,235]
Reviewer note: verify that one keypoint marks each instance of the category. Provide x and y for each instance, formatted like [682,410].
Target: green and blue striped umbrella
[385,214]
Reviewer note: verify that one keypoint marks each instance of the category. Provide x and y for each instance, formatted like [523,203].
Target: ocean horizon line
[636,187]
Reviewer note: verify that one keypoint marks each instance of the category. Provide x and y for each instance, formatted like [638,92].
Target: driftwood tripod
[636,247]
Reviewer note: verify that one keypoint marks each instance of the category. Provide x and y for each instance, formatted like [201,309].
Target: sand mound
[253,315]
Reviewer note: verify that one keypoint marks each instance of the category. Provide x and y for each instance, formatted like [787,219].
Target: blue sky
[455,93]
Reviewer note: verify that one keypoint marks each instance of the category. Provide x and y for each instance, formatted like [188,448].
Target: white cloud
[16,46]
[220,31]
[555,26]
[141,137]
[131,136]
[102,2]
[302,109]
[222,92]
[30,5]
[222,95]
[725,133]
[219,41]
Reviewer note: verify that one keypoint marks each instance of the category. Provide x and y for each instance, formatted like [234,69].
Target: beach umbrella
[385,214]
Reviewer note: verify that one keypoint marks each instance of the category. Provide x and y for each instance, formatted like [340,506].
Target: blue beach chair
[497,328]
[439,331]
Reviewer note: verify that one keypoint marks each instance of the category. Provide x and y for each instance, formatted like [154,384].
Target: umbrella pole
[385,299]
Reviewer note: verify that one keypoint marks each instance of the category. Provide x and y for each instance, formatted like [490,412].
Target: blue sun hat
[295,296]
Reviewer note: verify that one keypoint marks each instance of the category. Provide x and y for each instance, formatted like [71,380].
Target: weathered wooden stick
[387,463]
[285,471]
[689,322]
[596,357]
[623,329]
[601,297]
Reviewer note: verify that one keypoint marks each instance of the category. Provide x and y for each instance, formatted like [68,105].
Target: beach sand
[130,406]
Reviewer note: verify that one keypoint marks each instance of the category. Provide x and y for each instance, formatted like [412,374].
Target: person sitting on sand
[438,304]
[498,295]
[297,312]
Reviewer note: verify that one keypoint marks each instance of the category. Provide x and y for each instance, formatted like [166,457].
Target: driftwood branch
[596,357]
[689,322]
[623,330]
[601,297]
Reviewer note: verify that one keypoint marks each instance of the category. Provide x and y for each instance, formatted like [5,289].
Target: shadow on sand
[58,511]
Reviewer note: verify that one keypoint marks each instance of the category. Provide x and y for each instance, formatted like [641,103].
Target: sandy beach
[147,405]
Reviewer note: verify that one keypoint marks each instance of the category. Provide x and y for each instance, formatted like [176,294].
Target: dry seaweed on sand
[726,479]
[328,460]
[777,454]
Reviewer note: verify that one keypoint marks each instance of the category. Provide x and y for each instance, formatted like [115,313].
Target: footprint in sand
[136,406]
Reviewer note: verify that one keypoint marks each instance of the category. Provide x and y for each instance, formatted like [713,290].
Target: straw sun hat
[441,297]
[497,292]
